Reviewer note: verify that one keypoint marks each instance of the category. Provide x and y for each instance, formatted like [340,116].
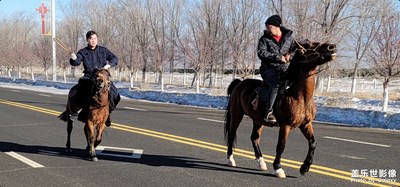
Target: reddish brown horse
[94,115]
[294,108]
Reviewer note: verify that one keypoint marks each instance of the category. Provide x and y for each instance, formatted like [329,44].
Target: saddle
[261,94]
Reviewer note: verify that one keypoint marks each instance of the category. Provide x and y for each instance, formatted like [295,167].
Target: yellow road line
[247,154]
[345,175]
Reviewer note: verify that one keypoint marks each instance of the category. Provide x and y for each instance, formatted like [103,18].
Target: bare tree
[42,49]
[241,20]
[363,30]
[128,48]
[199,43]
[134,30]
[101,17]
[20,28]
[160,44]
[329,17]
[385,51]
[71,31]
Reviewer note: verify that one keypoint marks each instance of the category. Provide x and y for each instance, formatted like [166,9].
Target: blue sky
[8,7]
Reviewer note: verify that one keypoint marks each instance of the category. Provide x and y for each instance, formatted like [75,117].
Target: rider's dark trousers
[271,77]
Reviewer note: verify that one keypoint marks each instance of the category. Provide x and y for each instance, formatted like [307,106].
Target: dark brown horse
[294,108]
[94,115]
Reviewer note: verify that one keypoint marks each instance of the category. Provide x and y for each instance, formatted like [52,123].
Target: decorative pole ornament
[43,10]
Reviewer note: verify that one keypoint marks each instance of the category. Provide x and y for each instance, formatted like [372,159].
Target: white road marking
[213,120]
[138,109]
[15,91]
[24,160]
[352,157]
[355,141]
[119,152]
[45,95]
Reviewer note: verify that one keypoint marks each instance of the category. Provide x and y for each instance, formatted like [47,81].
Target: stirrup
[270,118]
[73,117]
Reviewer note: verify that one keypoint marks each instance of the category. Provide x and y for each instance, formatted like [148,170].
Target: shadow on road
[151,160]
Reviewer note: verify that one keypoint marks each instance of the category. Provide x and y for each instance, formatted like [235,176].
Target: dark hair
[90,33]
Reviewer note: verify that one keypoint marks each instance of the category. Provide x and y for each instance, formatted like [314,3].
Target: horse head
[314,53]
[101,79]
[309,55]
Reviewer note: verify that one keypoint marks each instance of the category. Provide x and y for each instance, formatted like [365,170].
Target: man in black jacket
[93,57]
[275,50]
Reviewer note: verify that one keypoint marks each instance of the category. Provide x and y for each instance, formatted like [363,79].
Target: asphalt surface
[158,144]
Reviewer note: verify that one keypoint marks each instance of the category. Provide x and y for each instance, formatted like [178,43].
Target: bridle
[314,53]
[106,84]
[105,88]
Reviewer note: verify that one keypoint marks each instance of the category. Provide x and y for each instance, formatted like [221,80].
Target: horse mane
[232,86]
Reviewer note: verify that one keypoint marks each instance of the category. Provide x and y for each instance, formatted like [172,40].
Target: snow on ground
[355,112]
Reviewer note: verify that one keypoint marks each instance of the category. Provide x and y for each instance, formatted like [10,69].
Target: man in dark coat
[275,49]
[93,57]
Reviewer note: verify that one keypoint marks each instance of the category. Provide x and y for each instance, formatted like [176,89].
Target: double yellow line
[345,175]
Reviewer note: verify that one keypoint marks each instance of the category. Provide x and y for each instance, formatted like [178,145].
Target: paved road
[172,145]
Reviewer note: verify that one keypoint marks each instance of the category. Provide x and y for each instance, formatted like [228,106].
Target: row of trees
[208,36]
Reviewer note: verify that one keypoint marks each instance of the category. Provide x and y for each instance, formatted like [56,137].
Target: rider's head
[91,38]
[273,25]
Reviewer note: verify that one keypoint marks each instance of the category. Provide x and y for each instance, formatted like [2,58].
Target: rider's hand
[283,59]
[106,66]
[73,56]
[287,57]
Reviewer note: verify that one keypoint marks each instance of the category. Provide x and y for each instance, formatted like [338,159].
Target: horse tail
[227,127]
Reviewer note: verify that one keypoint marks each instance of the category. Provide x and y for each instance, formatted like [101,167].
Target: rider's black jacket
[270,52]
[92,59]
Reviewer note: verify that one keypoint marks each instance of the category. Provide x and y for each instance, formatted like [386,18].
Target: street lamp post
[53,36]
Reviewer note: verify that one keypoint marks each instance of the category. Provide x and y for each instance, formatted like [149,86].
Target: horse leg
[86,130]
[99,136]
[255,140]
[308,132]
[91,139]
[280,147]
[69,131]
[235,120]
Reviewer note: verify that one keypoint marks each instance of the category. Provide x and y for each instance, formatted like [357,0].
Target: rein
[314,52]
[317,55]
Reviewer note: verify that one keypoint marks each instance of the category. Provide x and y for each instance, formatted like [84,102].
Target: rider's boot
[269,116]
[115,98]
[73,108]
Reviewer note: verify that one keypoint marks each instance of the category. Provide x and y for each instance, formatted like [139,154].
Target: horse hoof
[231,161]
[304,169]
[280,173]
[68,150]
[261,164]
[94,159]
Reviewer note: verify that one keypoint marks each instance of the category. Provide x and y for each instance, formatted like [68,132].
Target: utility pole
[53,36]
